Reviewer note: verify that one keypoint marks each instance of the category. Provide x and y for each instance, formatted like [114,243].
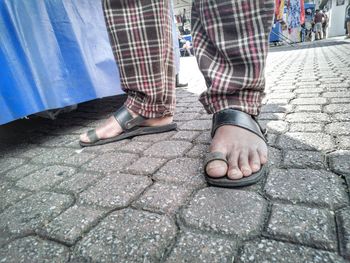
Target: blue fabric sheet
[53,53]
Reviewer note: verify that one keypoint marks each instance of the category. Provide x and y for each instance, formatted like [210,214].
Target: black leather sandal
[243,120]
[131,128]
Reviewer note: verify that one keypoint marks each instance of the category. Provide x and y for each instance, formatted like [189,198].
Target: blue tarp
[53,53]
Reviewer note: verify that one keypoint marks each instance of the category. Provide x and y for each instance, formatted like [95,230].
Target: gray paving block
[78,182]
[316,187]
[196,125]
[127,236]
[46,178]
[145,166]
[115,191]
[306,127]
[70,226]
[336,94]
[134,147]
[154,137]
[10,196]
[204,138]
[337,108]
[343,142]
[33,249]
[32,212]
[308,108]
[274,157]
[7,164]
[198,151]
[341,117]
[54,141]
[276,126]
[22,171]
[226,211]
[280,95]
[182,171]
[307,117]
[163,198]
[54,156]
[271,116]
[168,149]
[343,223]
[188,116]
[306,141]
[273,251]
[186,135]
[339,162]
[301,90]
[338,128]
[339,100]
[201,248]
[276,108]
[309,101]
[106,148]
[110,162]
[304,159]
[309,226]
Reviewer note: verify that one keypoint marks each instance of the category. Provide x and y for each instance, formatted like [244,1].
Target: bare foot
[111,127]
[244,150]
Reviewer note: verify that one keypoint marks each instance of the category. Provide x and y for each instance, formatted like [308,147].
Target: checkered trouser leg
[140,33]
[231,43]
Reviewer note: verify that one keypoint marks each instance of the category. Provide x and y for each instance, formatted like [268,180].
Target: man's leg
[140,33]
[231,44]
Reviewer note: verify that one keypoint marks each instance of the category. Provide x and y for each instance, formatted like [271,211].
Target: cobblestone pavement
[145,199]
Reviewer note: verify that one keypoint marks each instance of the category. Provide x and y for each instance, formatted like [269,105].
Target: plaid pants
[230,39]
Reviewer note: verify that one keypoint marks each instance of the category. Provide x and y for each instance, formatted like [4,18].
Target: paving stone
[338,128]
[10,196]
[304,159]
[78,182]
[336,94]
[308,108]
[278,95]
[182,171]
[339,162]
[154,137]
[274,157]
[231,212]
[337,108]
[311,101]
[198,151]
[54,141]
[70,226]
[110,162]
[308,90]
[134,147]
[201,248]
[305,95]
[163,198]
[341,117]
[46,178]
[343,223]
[185,135]
[196,125]
[276,126]
[314,187]
[273,251]
[24,150]
[306,141]
[32,212]
[106,148]
[115,191]
[127,236]
[275,108]
[307,117]
[33,249]
[343,142]
[333,86]
[205,138]
[188,116]
[54,156]
[271,116]
[303,225]
[306,127]
[10,163]
[145,166]
[168,149]
[21,171]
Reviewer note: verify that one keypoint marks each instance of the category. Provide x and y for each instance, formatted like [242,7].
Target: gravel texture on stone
[32,212]
[10,163]
[78,182]
[306,141]
[196,125]
[10,196]
[168,149]
[115,191]
[201,248]
[338,128]
[316,187]
[273,251]
[343,223]
[33,249]
[304,159]
[182,171]
[303,225]
[307,117]
[127,236]
[145,166]
[231,212]
[164,198]
[339,162]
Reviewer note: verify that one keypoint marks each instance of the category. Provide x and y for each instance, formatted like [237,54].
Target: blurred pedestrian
[230,40]
[318,20]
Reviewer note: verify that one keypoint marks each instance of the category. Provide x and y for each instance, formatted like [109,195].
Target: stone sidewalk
[145,199]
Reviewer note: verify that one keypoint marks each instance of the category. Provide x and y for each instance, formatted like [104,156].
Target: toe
[234,172]
[216,168]
[244,163]
[254,161]
[263,155]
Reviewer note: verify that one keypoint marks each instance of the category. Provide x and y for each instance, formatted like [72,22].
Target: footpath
[146,200]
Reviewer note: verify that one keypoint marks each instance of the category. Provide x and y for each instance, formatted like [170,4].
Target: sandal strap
[126,120]
[237,118]
[91,134]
